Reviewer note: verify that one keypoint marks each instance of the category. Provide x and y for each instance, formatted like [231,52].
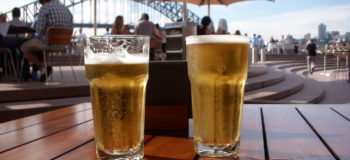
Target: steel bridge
[107,10]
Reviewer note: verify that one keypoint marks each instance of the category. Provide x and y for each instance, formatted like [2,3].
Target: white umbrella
[205,2]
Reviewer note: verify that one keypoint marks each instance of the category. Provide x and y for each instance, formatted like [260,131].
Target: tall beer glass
[217,69]
[117,71]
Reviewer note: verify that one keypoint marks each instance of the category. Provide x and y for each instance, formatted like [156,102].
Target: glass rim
[120,36]
[201,39]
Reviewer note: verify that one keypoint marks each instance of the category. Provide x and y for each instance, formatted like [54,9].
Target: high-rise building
[322,33]
[335,35]
[307,36]
[347,36]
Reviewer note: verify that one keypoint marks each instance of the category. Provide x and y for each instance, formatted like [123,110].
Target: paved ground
[9,83]
[337,88]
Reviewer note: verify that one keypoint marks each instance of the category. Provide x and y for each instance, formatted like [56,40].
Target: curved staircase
[294,84]
[283,83]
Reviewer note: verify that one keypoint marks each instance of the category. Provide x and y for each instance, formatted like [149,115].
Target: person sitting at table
[16,13]
[146,27]
[118,25]
[12,43]
[204,28]
[52,14]
[126,29]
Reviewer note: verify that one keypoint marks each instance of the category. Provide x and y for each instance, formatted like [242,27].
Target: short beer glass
[117,71]
[217,69]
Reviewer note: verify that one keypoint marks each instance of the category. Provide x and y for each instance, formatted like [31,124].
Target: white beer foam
[108,58]
[216,39]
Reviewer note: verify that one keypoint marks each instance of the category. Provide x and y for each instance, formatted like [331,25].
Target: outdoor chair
[156,45]
[58,42]
[7,52]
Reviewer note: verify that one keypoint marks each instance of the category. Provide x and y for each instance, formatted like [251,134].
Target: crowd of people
[273,46]
[55,14]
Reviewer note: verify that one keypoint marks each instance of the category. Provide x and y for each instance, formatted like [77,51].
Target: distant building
[322,32]
[334,35]
[347,36]
[307,36]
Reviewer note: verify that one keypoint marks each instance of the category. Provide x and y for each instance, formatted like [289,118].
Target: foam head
[116,49]
[216,39]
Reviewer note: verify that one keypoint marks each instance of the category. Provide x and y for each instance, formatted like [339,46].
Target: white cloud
[297,23]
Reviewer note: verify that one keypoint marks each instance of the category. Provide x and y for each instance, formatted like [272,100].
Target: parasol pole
[95,21]
[184,9]
[208,8]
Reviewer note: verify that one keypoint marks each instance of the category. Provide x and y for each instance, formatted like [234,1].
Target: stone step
[313,92]
[14,110]
[300,65]
[292,84]
[284,66]
[271,78]
[16,92]
[318,61]
[257,70]
[67,87]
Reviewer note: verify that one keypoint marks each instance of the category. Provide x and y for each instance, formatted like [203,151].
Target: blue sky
[295,17]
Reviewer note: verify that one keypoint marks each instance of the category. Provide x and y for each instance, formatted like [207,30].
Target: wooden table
[268,132]
[20,29]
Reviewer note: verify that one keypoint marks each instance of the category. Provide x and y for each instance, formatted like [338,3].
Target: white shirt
[4,27]
[81,36]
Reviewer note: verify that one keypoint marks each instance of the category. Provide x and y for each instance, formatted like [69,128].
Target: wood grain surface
[252,140]
[40,118]
[289,137]
[334,129]
[274,131]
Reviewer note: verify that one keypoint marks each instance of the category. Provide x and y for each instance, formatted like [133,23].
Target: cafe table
[269,131]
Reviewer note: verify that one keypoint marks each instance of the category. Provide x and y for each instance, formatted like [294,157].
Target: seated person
[12,43]
[204,28]
[147,28]
[16,13]
[126,29]
[52,14]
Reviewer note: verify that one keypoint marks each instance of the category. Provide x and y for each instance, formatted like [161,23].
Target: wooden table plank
[28,134]
[252,142]
[334,129]
[40,118]
[343,110]
[164,147]
[289,137]
[54,145]
[87,151]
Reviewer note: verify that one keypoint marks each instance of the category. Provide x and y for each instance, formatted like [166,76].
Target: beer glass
[217,69]
[117,71]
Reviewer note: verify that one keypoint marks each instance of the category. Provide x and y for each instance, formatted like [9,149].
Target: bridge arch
[173,11]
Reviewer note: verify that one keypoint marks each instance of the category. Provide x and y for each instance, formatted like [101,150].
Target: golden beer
[117,70]
[117,97]
[217,72]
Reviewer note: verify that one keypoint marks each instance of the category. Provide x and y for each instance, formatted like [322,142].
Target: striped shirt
[53,14]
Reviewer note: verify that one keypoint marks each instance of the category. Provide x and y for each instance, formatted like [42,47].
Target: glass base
[136,154]
[222,151]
